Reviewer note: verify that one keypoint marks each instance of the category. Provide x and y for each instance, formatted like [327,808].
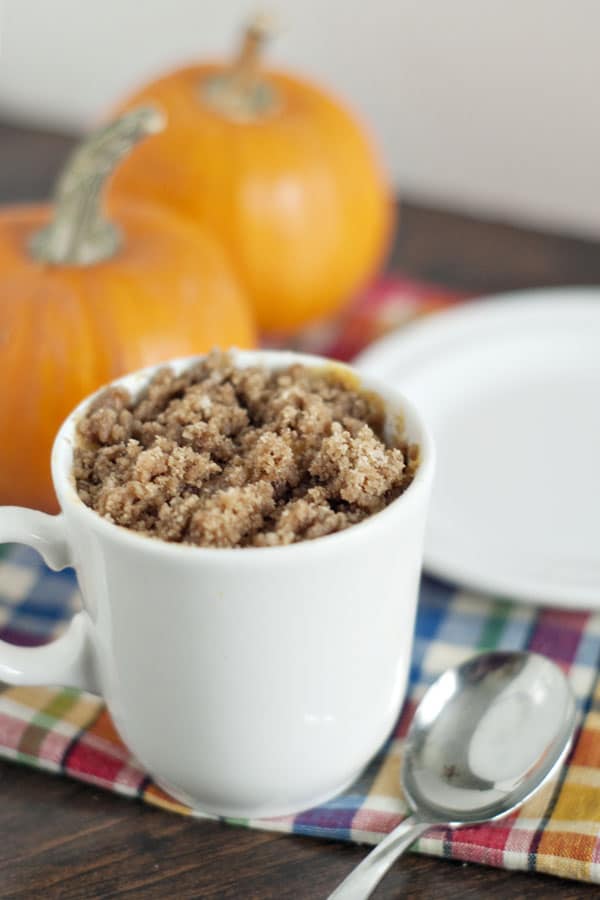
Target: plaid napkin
[557,832]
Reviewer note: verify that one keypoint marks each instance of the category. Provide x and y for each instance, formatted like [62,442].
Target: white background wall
[486,104]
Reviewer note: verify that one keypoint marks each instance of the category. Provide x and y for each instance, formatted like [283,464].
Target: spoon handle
[366,876]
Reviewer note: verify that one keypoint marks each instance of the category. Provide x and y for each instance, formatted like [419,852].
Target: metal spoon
[484,738]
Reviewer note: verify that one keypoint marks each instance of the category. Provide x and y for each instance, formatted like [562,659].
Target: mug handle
[69,660]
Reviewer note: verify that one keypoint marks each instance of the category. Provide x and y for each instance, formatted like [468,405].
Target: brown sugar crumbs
[221,456]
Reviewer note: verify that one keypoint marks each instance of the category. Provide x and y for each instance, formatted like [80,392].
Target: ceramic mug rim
[62,463]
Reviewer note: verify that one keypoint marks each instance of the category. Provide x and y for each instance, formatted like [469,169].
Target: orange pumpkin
[280,171]
[81,303]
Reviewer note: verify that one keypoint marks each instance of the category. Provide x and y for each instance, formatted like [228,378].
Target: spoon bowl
[485,737]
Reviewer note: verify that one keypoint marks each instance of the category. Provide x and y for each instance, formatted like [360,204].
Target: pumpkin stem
[239,92]
[78,233]
[244,69]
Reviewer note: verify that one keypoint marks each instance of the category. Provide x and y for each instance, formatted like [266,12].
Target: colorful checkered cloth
[558,831]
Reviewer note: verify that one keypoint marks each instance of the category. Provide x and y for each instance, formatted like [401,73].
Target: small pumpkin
[279,170]
[84,299]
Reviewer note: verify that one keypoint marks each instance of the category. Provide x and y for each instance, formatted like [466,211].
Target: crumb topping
[221,456]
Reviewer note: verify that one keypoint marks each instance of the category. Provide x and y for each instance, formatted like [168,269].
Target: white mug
[248,682]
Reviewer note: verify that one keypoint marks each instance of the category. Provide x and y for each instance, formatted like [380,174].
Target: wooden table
[62,839]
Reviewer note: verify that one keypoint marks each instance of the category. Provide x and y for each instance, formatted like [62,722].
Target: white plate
[511,389]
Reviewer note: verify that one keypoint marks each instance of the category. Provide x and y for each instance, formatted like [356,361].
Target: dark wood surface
[62,840]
